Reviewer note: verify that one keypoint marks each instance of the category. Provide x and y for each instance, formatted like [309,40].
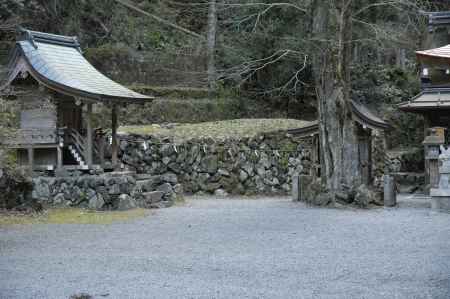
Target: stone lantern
[432,143]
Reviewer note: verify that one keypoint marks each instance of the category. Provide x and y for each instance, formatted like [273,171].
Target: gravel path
[270,248]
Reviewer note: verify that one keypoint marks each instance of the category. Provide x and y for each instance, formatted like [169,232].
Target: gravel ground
[268,248]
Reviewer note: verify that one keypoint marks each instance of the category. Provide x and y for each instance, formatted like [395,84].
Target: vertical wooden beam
[426,124]
[114,145]
[31,158]
[428,166]
[89,141]
[59,150]
[370,160]
[101,149]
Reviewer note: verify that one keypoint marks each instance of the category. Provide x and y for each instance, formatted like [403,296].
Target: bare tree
[330,54]
[211,45]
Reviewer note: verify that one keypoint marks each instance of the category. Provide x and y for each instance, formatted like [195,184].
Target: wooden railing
[77,141]
[31,137]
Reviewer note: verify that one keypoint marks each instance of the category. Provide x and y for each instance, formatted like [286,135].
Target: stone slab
[441,204]
[304,182]
[440,192]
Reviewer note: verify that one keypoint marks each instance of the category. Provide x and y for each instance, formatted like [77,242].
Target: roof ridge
[49,38]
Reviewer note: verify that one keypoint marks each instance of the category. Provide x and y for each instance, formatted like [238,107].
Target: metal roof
[365,117]
[360,113]
[57,62]
[429,99]
[442,52]
[438,18]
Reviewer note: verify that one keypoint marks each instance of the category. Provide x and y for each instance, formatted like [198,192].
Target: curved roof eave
[19,55]
[80,93]
[77,92]
[367,118]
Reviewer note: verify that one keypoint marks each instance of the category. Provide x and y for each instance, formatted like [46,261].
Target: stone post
[390,196]
[296,187]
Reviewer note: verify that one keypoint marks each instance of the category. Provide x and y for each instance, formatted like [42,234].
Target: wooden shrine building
[61,86]
[433,102]
[367,124]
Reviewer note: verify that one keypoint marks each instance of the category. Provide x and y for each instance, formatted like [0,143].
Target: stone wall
[263,164]
[15,188]
[109,191]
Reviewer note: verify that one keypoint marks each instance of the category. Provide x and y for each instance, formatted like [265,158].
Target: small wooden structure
[61,88]
[367,122]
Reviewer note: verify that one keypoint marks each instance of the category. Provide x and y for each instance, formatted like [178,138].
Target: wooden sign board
[38,119]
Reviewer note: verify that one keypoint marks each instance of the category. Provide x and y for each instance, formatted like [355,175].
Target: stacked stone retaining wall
[109,191]
[263,164]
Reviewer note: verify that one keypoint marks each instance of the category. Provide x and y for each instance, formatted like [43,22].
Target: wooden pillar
[114,144]
[89,138]
[31,158]
[101,149]
[426,124]
[59,150]
[428,166]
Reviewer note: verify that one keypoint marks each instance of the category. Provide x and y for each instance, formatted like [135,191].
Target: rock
[261,171]
[96,202]
[148,184]
[210,164]
[166,188]
[211,187]
[175,167]
[169,178]
[178,189]
[202,180]
[42,190]
[161,205]
[126,203]
[143,176]
[167,150]
[286,187]
[114,189]
[243,175]
[178,192]
[345,197]
[166,160]
[248,168]
[223,172]
[220,193]
[364,196]
[259,184]
[152,197]
[322,199]
[59,199]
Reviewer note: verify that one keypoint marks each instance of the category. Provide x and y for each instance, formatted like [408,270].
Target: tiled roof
[56,61]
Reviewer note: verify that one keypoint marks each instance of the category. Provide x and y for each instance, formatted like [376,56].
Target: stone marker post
[296,187]
[390,196]
[440,196]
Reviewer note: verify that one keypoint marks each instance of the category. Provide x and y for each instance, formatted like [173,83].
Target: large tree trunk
[211,45]
[331,28]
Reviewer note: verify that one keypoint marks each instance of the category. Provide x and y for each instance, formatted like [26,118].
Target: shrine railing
[24,137]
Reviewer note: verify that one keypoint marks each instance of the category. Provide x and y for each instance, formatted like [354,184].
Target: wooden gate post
[114,145]
[89,145]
